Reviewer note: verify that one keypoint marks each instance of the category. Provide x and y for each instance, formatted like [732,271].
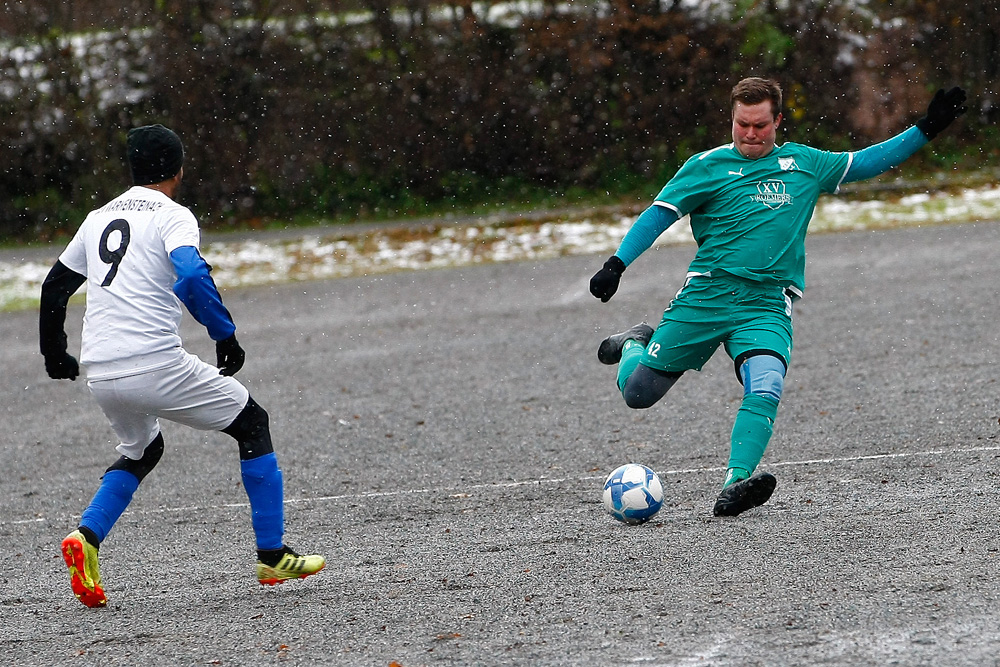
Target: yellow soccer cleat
[84,574]
[291,566]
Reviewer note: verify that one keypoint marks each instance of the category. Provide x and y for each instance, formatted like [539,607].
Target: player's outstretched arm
[59,285]
[199,294]
[880,158]
[647,228]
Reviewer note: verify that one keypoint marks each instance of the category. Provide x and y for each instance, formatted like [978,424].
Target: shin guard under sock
[111,499]
[263,483]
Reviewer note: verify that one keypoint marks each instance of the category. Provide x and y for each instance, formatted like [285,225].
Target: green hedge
[322,118]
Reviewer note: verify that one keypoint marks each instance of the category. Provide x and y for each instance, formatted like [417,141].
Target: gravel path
[445,435]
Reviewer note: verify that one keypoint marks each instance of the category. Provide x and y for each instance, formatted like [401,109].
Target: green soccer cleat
[290,566]
[610,350]
[84,574]
[745,494]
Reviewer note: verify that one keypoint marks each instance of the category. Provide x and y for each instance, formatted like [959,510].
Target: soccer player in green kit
[750,203]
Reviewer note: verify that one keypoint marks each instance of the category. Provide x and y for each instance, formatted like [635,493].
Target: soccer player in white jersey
[750,203]
[139,256]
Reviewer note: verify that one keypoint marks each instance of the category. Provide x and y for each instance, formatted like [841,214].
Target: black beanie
[155,154]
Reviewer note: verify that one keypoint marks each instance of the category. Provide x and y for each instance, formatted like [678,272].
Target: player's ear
[777,120]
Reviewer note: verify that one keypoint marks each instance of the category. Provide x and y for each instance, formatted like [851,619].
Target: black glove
[61,366]
[942,111]
[229,355]
[604,284]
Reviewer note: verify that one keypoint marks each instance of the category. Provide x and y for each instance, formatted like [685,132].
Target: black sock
[90,536]
[272,557]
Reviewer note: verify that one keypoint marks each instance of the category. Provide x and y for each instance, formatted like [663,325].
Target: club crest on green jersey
[787,164]
[771,193]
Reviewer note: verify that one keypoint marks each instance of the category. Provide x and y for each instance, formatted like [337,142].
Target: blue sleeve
[882,157]
[197,291]
[644,231]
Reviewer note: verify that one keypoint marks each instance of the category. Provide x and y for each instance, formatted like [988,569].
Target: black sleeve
[59,286]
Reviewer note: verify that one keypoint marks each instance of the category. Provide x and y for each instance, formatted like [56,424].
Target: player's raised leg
[641,386]
[625,349]
[262,480]
[611,348]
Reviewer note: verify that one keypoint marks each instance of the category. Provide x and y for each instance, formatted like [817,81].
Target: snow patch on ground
[314,255]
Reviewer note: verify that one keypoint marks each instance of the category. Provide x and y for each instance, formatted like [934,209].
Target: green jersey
[749,217]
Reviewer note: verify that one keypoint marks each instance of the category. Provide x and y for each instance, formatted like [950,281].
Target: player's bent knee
[646,386]
[763,375]
[638,399]
[251,431]
[150,457]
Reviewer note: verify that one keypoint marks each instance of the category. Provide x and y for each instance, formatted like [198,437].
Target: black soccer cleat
[610,351]
[745,494]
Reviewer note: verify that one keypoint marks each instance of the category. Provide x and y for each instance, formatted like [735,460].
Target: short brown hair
[754,90]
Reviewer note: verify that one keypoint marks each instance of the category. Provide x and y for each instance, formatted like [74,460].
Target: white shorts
[190,393]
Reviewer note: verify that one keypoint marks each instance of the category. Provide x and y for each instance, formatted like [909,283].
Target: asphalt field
[445,435]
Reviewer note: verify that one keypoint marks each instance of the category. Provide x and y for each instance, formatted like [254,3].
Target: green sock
[734,475]
[752,431]
[631,354]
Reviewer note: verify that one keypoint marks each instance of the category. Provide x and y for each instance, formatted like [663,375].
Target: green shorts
[708,311]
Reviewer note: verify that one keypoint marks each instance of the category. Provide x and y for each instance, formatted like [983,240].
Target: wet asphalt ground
[445,435]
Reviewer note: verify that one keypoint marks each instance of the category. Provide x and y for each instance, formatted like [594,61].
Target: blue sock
[111,499]
[263,484]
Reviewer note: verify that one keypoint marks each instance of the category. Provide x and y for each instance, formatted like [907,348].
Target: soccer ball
[633,494]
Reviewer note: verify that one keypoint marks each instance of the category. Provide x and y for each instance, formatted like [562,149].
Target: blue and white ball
[633,494]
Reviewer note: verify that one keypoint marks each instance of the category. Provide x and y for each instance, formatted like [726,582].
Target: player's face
[754,129]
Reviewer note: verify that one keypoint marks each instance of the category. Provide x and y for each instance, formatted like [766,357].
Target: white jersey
[133,316]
